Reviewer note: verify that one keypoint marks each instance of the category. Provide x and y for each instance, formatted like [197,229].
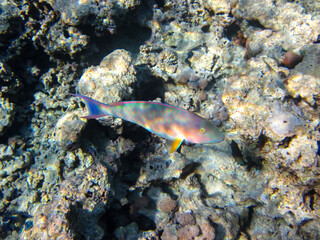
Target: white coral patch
[283,123]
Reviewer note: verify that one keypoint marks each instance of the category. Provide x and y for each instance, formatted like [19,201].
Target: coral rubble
[251,67]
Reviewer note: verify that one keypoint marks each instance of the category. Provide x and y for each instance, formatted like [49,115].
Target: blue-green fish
[170,122]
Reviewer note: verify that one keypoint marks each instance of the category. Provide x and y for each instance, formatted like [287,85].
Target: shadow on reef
[247,157]
[96,133]
[82,222]
[125,204]
[244,222]
[23,63]
[11,221]
[29,61]
[130,34]
[123,173]
[148,86]
[27,65]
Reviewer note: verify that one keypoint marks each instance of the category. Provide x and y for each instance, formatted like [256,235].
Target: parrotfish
[164,120]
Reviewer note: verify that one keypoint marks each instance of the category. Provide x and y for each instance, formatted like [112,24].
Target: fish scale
[164,120]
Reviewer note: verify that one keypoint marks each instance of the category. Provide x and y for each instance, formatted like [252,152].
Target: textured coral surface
[251,67]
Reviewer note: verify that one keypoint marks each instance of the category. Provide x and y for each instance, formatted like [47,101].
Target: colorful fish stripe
[164,120]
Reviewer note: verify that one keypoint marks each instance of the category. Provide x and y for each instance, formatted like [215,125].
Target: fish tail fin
[96,109]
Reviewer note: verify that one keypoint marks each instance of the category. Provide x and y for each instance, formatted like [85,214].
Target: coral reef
[102,15]
[74,211]
[297,29]
[249,66]
[310,63]
[111,81]
[10,20]
[6,113]
[304,86]
[68,129]
[283,123]
[291,59]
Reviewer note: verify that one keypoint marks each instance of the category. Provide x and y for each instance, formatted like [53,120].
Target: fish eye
[202,130]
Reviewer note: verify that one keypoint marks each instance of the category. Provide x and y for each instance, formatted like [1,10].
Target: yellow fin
[199,114]
[175,145]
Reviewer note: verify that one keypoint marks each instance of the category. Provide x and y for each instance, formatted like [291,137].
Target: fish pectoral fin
[175,145]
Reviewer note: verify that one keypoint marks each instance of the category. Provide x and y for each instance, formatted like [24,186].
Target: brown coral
[76,208]
[291,59]
[186,219]
[167,205]
[207,230]
[188,232]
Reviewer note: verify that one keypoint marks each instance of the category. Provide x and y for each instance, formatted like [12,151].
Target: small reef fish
[170,122]
[274,75]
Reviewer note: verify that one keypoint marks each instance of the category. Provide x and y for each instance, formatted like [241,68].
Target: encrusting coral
[250,67]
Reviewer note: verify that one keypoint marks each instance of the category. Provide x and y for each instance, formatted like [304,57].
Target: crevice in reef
[245,221]
[96,133]
[262,140]
[236,153]
[254,162]
[188,169]
[124,210]
[160,3]
[220,231]
[130,35]
[148,87]
[285,142]
[309,199]
[123,174]
[23,96]
[232,30]
[10,218]
[256,24]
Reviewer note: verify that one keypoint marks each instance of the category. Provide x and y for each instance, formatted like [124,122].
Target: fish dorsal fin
[175,145]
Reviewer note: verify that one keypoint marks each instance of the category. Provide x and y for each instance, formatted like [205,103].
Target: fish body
[164,120]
